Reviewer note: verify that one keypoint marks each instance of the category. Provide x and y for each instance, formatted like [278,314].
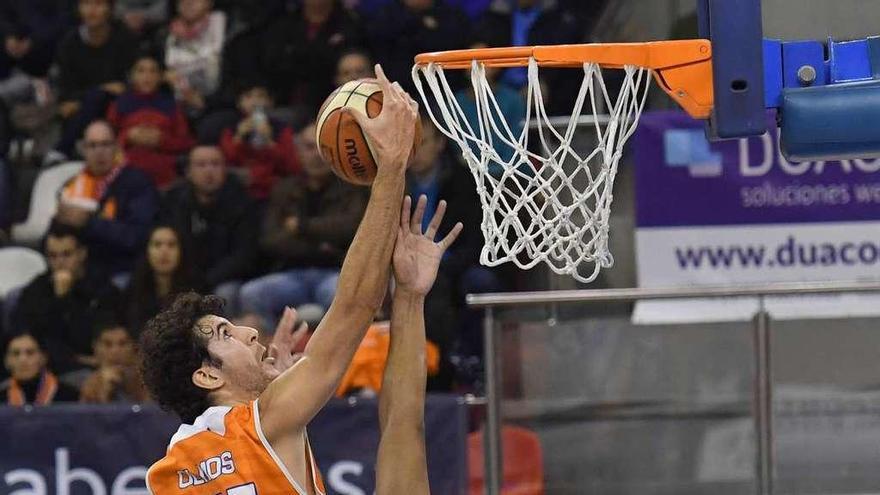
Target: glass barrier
[619,408]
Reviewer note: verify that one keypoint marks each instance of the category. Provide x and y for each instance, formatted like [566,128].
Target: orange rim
[683,68]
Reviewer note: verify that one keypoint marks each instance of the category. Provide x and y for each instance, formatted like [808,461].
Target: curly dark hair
[171,351]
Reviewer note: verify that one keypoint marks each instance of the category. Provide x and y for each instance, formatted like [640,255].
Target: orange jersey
[368,364]
[224,452]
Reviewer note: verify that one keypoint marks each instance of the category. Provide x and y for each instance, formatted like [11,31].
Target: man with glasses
[112,205]
[61,306]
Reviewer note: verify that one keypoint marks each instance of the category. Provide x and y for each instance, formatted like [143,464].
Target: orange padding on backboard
[683,68]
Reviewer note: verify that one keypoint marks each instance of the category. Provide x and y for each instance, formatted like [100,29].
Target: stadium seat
[18,265]
[44,203]
[523,462]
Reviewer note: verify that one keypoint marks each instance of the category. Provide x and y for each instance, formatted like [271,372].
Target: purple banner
[106,450]
[683,180]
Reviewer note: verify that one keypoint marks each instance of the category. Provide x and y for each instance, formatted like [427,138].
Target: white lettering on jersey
[208,470]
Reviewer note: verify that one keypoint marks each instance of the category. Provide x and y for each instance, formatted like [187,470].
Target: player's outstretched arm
[401,465]
[298,394]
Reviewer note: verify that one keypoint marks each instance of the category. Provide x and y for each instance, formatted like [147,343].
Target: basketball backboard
[826,94]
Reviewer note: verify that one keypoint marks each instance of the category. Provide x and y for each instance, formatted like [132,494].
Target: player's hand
[416,256]
[286,339]
[392,132]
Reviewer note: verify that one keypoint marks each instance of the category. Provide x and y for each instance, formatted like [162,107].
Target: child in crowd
[260,149]
[193,52]
[152,129]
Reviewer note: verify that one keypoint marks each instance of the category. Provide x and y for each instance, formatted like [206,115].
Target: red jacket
[266,165]
[160,110]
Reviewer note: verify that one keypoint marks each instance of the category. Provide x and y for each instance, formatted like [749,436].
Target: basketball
[341,141]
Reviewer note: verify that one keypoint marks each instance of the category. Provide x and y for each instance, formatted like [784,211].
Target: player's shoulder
[216,423]
[212,434]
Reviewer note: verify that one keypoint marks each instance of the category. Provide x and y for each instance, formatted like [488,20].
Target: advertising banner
[106,450]
[737,212]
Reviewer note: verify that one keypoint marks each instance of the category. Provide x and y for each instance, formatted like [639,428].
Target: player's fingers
[405,211]
[381,77]
[399,92]
[273,351]
[389,94]
[359,117]
[415,224]
[400,96]
[299,334]
[285,324]
[451,236]
[435,221]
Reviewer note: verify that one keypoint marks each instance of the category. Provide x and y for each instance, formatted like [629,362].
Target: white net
[543,201]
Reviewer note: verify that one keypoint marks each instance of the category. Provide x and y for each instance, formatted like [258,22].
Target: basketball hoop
[546,202]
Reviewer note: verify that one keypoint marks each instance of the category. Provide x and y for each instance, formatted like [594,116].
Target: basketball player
[247,407]
[401,465]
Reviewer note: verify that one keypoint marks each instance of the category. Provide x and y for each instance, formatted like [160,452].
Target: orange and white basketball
[341,141]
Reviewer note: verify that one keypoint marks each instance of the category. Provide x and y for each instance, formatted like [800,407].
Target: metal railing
[763,390]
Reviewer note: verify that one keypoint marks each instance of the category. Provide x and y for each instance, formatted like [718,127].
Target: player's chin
[269,370]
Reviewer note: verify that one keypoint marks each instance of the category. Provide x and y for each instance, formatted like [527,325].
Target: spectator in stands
[93,61]
[309,223]
[246,15]
[165,270]
[260,148]
[111,203]
[152,128]
[31,381]
[217,220]
[242,53]
[300,52]
[541,22]
[435,174]
[62,305]
[31,30]
[405,28]
[142,17]
[193,50]
[116,378]
[7,190]
[353,64]
[473,8]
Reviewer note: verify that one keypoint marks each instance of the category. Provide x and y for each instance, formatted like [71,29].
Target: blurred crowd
[193,121]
